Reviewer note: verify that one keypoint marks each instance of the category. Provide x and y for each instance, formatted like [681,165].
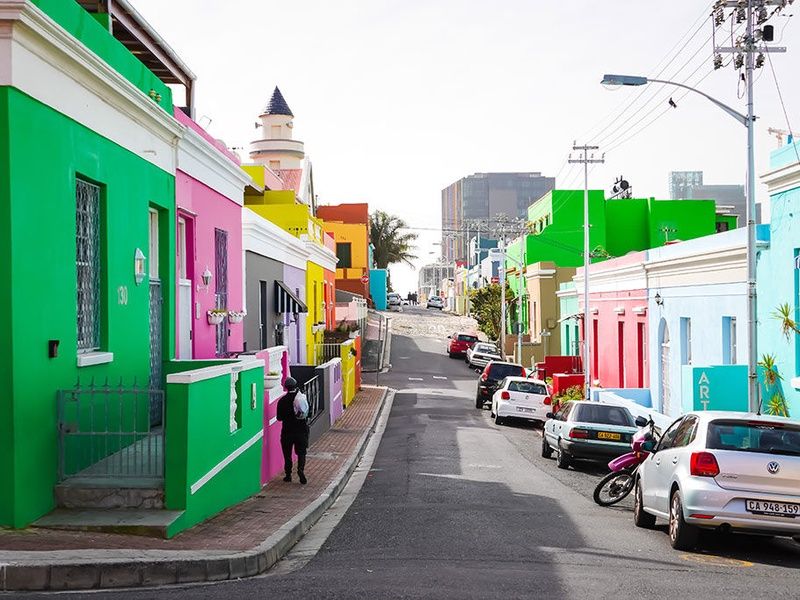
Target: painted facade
[208,241]
[779,276]
[378,287]
[569,321]
[348,224]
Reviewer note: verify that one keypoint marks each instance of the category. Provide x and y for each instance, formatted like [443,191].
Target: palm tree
[391,243]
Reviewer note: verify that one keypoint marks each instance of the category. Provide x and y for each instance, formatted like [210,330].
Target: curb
[193,567]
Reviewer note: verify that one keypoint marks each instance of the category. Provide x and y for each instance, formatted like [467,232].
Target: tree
[485,307]
[392,244]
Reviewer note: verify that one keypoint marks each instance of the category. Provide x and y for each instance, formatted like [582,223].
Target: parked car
[727,471]
[588,431]
[459,343]
[393,299]
[435,302]
[520,398]
[494,372]
[481,353]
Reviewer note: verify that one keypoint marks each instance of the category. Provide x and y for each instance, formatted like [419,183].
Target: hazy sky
[396,99]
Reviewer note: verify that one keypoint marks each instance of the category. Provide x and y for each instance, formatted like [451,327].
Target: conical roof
[277,105]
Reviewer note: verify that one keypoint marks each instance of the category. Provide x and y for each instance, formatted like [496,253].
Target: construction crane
[779,133]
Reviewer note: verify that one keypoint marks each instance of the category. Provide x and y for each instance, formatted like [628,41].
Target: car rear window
[467,338]
[487,348]
[499,371]
[527,387]
[603,414]
[754,436]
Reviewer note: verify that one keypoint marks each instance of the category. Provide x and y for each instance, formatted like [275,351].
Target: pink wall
[208,210]
[271,454]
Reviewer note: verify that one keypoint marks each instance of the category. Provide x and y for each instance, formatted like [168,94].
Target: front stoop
[128,521]
[78,492]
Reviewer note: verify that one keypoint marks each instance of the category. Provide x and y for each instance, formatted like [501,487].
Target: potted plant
[353,330]
[271,380]
[216,316]
[236,316]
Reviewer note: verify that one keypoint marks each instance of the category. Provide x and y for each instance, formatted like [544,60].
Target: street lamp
[746,120]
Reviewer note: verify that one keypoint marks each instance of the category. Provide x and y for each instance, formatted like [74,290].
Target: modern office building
[473,203]
[680,182]
[730,199]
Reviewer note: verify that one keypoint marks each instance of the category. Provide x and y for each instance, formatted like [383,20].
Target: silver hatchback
[728,471]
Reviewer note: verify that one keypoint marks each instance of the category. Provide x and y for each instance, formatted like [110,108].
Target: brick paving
[246,525]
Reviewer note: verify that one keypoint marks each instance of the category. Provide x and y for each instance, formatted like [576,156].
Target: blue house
[779,279]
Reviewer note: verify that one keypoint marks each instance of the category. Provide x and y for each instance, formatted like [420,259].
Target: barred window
[87,261]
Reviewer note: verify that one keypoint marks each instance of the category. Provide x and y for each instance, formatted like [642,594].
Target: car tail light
[700,516]
[703,464]
[524,373]
[548,400]
[580,434]
[504,395]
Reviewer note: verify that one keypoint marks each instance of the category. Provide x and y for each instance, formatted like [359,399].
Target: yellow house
[349,226]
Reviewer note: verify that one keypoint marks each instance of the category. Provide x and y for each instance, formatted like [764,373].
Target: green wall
[6,408]
[199,439]
[48,151]
[627,226]
[95,36]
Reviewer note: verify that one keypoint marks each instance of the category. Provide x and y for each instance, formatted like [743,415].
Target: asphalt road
[457,507]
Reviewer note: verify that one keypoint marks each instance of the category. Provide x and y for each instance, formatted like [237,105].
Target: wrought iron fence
[105,431]
[156,350]
[311,389]
[325,352]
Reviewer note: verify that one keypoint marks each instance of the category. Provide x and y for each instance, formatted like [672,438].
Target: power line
[783,106]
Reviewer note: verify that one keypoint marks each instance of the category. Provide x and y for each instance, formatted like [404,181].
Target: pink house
[209,190]
[617,321]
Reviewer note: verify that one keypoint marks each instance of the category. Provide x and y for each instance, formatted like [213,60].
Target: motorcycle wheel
[613,488]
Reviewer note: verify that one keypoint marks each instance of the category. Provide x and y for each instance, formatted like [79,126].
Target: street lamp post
[501,253]
[748,121]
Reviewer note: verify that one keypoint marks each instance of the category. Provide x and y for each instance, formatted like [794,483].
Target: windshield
[467,338]
[487,348]
[500,371]
[603,414]
[527,387]
[754,436]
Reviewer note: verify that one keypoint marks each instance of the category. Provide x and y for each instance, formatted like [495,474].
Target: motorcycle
[619,482]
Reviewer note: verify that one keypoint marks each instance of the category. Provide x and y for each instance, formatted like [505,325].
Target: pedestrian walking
[293,413]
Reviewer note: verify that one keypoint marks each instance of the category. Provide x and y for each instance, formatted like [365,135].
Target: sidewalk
[245,540]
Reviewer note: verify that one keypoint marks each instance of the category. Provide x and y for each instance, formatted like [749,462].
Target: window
[603,414]
[728,340]
[153,261]
[467,338]
[668,439]
[87,261]
[221,287]
[275,165]
[686,341]
[181,244]
[621,353]
[344,254]
[754,436]
[527,387]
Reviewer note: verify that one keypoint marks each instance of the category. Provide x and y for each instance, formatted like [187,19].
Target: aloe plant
[777,405]
[783,313]
[771,375]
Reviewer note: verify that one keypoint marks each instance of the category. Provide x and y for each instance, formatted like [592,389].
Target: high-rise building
[480,199]
[730,199]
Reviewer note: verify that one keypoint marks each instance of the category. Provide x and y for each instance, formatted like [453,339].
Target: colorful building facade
[348,224]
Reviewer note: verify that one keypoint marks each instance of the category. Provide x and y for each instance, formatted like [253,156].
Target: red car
[459,342]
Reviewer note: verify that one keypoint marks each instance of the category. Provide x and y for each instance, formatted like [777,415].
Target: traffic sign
[365,278]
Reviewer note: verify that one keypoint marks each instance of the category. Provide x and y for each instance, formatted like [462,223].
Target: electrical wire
[783,105]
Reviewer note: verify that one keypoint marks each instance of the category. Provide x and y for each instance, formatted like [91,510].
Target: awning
[286,301]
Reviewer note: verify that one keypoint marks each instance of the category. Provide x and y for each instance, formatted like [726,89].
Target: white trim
[620,310]
[48,64]
[594,310]
[783,178]
[198,158]
[795,383]
[225,462]
[321,255]
[272,421]
[88,359]
[640,310]
[195,375]
[264,237]
[337,396]
[247,365]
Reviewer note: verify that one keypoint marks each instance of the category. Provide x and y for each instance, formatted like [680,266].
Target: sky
[397,99]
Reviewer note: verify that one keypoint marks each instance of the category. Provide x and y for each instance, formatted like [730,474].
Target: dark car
[459,343]
[492,375]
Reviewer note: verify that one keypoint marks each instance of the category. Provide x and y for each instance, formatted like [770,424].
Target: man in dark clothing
[292,413]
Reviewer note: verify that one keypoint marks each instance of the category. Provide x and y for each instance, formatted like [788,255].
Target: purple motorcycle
[619,483]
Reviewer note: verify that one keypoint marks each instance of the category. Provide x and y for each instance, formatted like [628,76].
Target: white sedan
[520,398]
[481,353]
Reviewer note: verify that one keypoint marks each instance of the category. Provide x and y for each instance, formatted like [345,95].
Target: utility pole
[502,273]
[586,159]
[752,13]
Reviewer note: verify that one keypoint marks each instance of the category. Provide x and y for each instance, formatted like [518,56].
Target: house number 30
[122,295]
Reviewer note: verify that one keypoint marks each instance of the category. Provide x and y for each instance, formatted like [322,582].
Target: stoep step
[136,522]
[125,494]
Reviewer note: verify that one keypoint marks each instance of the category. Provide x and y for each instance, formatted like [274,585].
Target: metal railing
[105,432]
[311,389]
[325,352]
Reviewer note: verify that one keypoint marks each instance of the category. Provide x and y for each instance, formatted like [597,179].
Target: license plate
[607,435]
[524,409]
[780,509]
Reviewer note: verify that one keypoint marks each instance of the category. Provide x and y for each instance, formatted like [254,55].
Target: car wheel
[478,402]
[563,459]
[641,518]
[682,536]
[498,420]
[547,451]
[451,355]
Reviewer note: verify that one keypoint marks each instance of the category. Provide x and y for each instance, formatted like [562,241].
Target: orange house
[348,224]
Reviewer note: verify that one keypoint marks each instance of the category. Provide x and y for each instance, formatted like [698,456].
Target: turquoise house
[779,278]
[378,282]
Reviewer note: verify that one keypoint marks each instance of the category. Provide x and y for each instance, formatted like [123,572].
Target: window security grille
[221,287]
[87,261]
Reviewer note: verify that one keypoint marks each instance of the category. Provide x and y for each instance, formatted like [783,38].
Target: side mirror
[550,415]
[641,421]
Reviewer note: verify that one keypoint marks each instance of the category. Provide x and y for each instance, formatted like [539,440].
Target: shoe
[288,478]
[303,479]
